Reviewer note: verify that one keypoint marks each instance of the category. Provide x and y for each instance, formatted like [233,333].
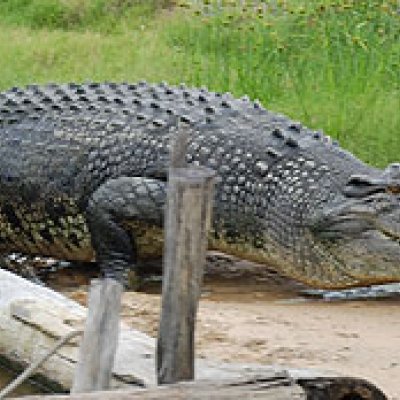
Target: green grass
[60,56]
[98,15]
[333,65]
[45,48]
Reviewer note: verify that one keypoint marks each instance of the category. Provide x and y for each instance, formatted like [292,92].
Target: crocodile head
[359,235]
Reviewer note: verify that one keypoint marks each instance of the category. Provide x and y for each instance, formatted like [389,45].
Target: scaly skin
[83,172]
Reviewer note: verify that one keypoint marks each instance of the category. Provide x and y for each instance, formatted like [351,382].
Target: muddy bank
[253,315]
[359,338]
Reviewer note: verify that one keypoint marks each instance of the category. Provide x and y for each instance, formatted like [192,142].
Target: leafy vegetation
[333,64]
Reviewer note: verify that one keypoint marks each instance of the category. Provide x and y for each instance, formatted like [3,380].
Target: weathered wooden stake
[188,216]
[99,343]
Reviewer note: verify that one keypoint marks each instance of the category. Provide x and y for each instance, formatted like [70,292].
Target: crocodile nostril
[392,175]
[395,165]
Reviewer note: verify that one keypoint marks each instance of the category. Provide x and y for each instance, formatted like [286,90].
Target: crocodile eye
[363,186]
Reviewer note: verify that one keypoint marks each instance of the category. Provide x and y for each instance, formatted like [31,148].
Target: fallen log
[266,387]
[33,318]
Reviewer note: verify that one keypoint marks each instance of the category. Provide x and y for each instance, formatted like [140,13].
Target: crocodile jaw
[363,237]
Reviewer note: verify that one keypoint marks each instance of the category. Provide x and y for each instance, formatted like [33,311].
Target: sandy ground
[355,338]
[260,317]
[358,338]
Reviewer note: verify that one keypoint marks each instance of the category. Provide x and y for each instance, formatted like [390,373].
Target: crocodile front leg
[112,210]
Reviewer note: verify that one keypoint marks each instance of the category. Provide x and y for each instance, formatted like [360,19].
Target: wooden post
[99,343]
[179,147]
[188,216]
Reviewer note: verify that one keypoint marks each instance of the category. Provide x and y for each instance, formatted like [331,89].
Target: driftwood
[33,318]
[266,387]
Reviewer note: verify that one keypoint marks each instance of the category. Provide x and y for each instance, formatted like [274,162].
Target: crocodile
[84,169]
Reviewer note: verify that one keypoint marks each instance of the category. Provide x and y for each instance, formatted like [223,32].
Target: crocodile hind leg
[110,211]
[113,211]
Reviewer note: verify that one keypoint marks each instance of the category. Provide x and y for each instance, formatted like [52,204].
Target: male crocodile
[83,170]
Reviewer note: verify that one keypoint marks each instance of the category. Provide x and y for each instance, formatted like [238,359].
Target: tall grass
[333,64]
